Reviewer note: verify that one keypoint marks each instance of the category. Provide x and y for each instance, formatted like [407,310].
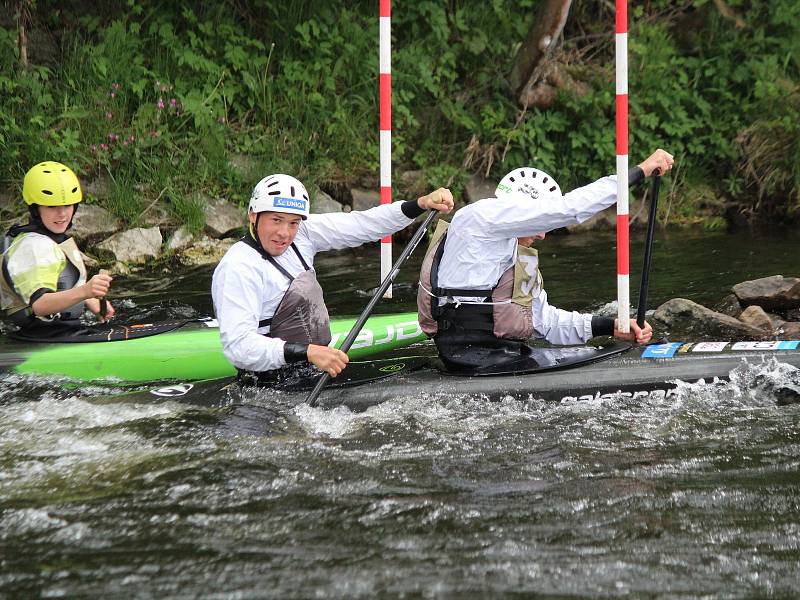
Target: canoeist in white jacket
[481,294]
[266,296]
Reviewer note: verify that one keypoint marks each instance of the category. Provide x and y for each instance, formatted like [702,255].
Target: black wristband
[294,352]
[38,294]
[411,209]
[635,175]
[602,326]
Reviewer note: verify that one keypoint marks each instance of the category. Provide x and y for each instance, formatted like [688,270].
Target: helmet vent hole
[74,190]
[271,184]
[533,174]
[511,179]
[274,192]
[305,197]
[48,192]
[292,189]
[522,173]
[45,171]
[544,180]
[553,189]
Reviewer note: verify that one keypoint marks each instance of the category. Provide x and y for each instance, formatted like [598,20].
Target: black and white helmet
[528,181]
[280,193]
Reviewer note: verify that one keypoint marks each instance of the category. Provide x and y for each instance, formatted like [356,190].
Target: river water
[692,496]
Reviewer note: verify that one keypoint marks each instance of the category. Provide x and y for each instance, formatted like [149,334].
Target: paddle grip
[103,301]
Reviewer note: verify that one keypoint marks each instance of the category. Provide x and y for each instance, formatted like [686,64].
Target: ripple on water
[690,494]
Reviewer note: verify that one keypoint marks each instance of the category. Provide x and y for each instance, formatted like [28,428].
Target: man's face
[276,231]
[56,218]
[528,241]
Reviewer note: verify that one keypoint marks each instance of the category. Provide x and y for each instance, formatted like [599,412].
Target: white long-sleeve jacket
[482,242]
[247,289]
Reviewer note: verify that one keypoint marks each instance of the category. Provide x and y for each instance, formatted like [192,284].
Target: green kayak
[180,351]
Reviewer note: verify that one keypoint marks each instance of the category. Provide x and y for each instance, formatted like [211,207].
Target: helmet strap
[253,230]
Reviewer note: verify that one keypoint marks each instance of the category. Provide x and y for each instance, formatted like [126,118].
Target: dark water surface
[692,496]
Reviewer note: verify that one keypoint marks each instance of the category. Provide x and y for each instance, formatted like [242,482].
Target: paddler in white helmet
[44,286]
[481,294]
[268,302]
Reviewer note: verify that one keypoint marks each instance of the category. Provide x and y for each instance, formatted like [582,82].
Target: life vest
[67,268]
[505,311]
[301,316]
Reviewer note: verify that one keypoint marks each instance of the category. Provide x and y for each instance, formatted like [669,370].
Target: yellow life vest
[34,261]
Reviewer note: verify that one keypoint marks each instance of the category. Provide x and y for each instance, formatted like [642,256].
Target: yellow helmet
[51,184]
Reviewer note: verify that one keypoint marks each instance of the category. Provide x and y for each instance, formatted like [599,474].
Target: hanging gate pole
[623,257]
[386,129]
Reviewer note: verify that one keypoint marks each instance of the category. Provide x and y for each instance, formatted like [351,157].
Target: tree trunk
[23,18]
[541,39]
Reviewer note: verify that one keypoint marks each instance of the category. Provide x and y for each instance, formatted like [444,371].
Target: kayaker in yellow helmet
[44,287]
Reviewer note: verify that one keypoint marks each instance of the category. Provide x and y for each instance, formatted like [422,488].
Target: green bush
[161,96]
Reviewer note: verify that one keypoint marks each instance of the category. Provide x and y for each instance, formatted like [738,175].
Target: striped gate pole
[623,258]
[386,129]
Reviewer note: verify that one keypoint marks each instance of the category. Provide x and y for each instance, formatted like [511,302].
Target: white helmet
[280,193]
[529,181]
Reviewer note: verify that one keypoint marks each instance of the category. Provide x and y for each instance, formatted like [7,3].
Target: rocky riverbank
[760,309]
[108,242]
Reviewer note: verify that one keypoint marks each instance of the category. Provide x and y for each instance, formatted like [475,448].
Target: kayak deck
[628,374]
[637,371]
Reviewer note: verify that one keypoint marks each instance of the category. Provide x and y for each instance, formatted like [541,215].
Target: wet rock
[755,316]
[222,218]
[120,268]
[205,251]
[323,203]
[156,215]
[365,199]
[730,306]
[413,184]
[478,188]
[789,331]
[770,293]
[92,223]
[180,239]
[89,261]
[682,318]
[369,181]
[133,246]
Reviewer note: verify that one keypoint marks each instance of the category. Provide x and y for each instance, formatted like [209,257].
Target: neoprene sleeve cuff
[411,209]
[38,294]
[602,326]
[635,175]
[294,352]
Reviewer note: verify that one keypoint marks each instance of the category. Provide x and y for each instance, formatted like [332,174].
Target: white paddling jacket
[247,289]
[481,265]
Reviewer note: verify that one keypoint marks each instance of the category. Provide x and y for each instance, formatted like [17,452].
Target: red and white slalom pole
[386,129]
[623,258]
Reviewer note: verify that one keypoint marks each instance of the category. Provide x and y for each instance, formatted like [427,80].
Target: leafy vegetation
[165,99]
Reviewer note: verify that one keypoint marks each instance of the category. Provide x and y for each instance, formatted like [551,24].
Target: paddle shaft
[648,246]
[351,337]
[103,301]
